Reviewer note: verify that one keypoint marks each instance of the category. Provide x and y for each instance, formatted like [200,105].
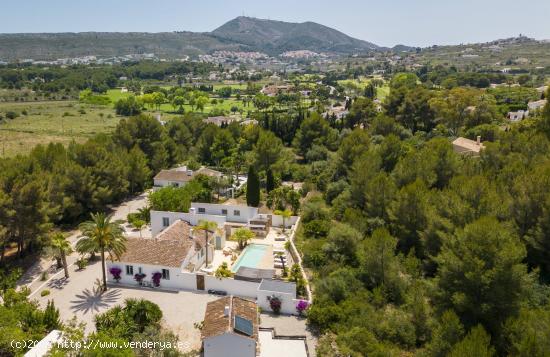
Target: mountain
[240,34]
[60,45]
[277,36]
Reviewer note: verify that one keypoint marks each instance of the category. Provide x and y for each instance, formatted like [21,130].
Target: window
[236,212]
[166,274]
[224,212]
[202,210]
[140,271]
[165,221]
[129,270]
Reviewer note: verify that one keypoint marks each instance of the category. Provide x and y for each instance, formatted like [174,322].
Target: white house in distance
[518,116]
[180,176]
[230,328]
[466,146]
[537,105]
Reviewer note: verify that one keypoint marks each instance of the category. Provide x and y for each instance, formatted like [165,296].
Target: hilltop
[277,36]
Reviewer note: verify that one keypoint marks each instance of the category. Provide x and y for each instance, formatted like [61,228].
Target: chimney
[479,140]
[226,311]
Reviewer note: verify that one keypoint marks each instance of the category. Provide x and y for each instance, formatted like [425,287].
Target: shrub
[223,271]
[115,271]
[11,115]
[45,292]
[139,277]
[156,278]
[81,263]
[302,306]
[275,304]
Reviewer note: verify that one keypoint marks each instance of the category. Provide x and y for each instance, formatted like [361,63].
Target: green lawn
[47,122]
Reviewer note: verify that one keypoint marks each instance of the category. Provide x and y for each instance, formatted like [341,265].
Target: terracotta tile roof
[216,323]
[169,248]
[176,231]
[174,175]
[169,253]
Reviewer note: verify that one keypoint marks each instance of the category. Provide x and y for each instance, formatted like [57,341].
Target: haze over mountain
[241,33]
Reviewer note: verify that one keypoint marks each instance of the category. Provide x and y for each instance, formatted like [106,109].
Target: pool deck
[272,240]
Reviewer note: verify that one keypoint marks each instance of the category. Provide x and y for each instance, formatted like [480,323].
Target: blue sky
[384,22]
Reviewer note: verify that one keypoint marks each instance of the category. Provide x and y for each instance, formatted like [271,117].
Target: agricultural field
[45,122]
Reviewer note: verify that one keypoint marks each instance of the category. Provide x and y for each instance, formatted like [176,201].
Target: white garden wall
[231,286]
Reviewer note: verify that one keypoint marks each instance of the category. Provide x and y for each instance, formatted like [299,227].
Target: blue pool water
[251,257]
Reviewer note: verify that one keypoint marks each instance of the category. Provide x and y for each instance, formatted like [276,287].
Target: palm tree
[242,235]
[139,224]
[60,243]
[101,235]
[206,226]
[285,214]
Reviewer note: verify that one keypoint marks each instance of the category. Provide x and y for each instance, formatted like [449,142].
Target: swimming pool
[250,257]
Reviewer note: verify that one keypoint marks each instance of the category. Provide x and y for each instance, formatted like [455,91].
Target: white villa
[175,257]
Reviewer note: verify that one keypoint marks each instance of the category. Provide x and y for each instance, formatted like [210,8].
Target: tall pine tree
[253,188]
[269,181]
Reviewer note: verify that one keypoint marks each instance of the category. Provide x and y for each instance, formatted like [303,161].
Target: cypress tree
[269,181]
[253,188]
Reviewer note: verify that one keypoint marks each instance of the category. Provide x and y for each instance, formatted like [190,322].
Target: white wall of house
[229,345]
[158,184]
[177,279]
[157,221]
[241,288]
[235,213]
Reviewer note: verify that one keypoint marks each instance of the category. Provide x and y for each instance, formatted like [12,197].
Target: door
[200,281]
[218,242]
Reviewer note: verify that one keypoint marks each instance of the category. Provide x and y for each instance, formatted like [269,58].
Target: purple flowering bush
[301,307]
[156,279]
[115,272]
[139,277]
[275,304]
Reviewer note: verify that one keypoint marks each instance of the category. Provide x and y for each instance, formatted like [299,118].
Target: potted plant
[115,272]
[156,279]
[275,304]
[301,307]
[139,278]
